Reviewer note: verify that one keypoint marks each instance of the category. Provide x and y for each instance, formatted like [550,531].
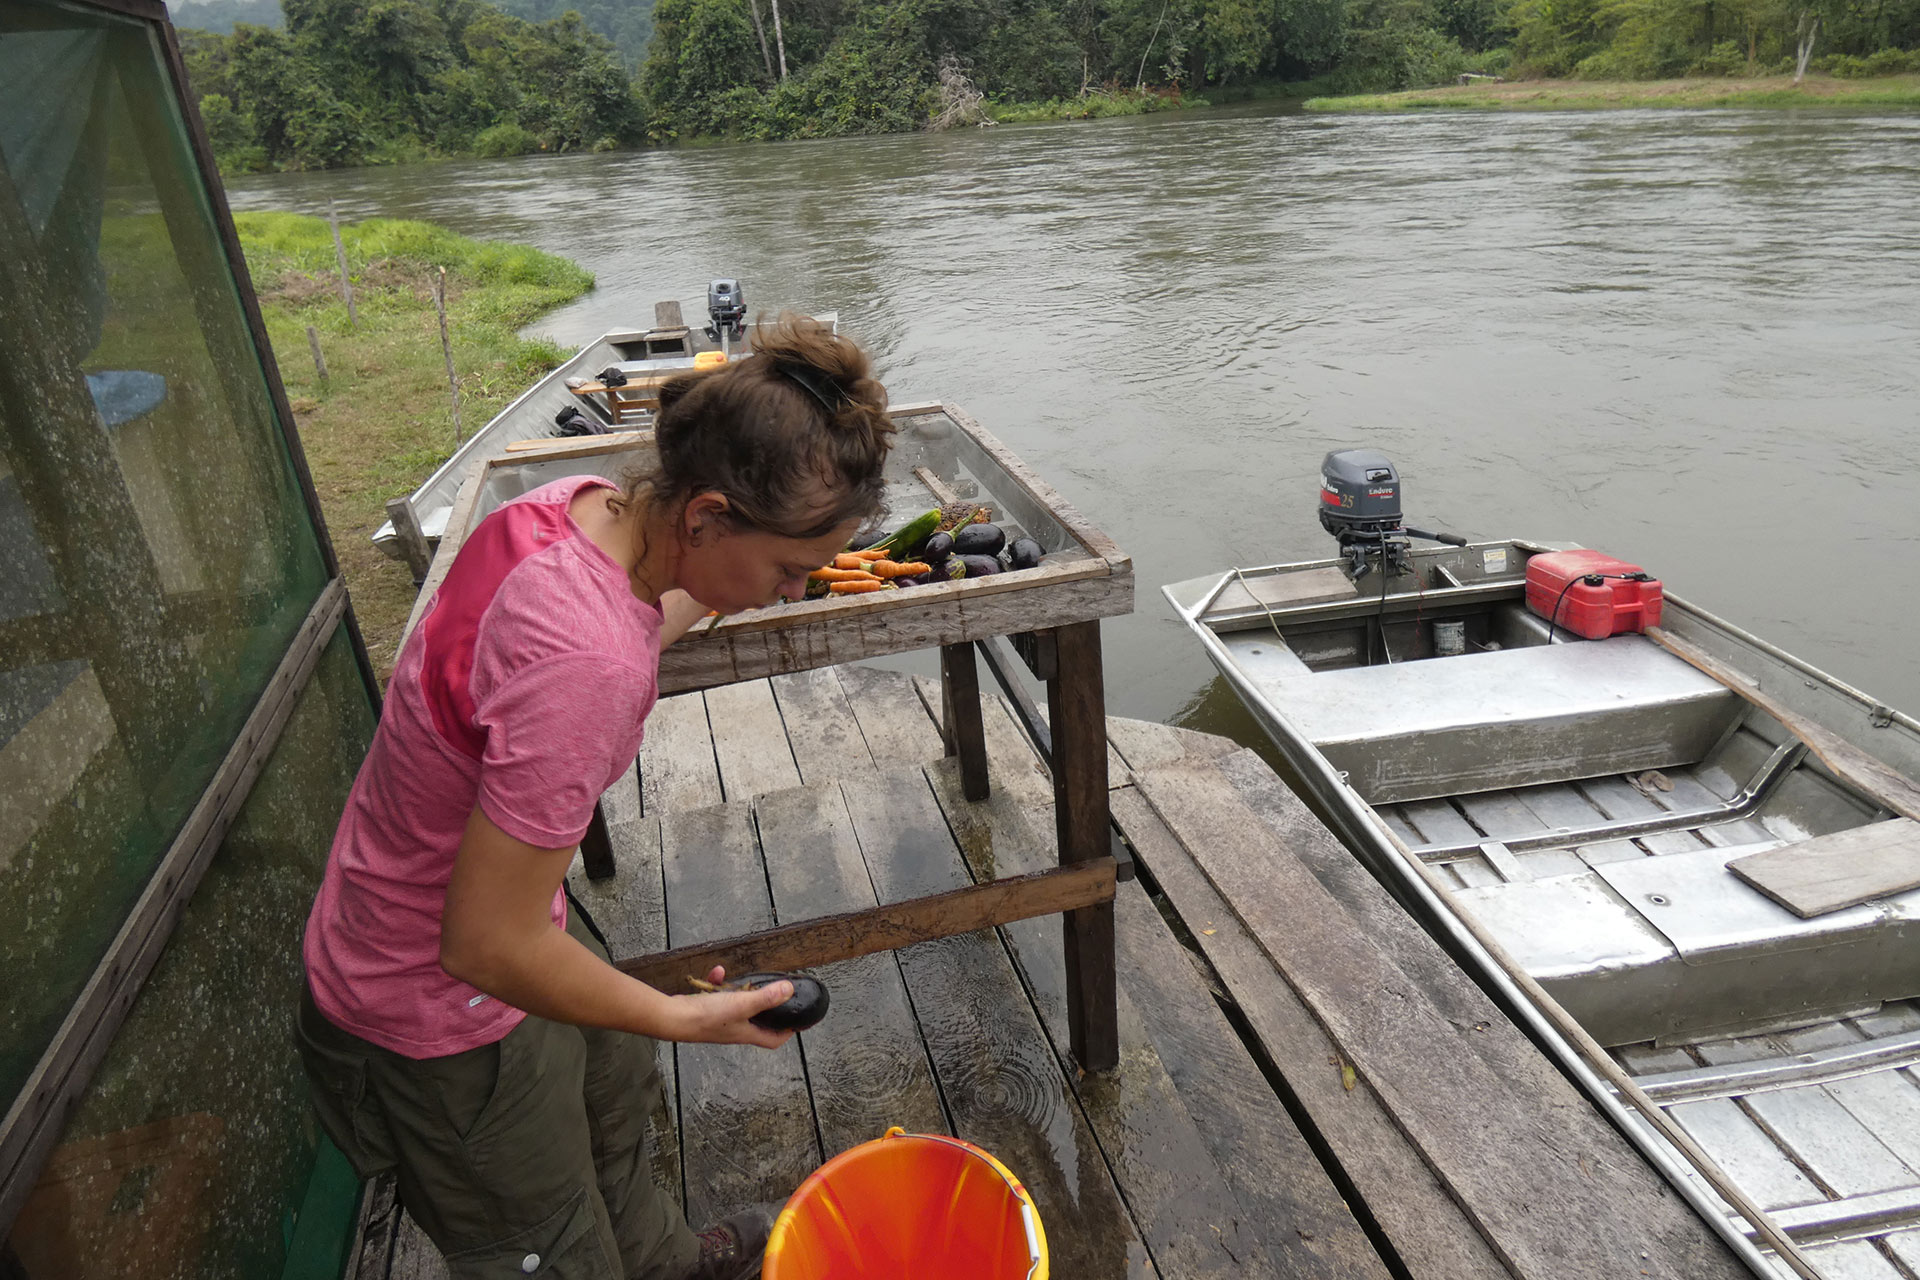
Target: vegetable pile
[941,545]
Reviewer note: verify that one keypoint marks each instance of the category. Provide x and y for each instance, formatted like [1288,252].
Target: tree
[1806,30]
[701,49]
[1232,40]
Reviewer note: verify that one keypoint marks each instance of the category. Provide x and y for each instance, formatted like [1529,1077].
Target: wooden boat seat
[1507,718]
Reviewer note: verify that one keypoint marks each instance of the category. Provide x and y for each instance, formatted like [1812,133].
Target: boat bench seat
[1506,718]
[1677,945]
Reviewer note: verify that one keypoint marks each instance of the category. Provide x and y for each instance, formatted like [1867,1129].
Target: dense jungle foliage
[368,81]
[353,81]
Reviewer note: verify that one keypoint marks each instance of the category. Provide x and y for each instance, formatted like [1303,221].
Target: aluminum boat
[1581,817]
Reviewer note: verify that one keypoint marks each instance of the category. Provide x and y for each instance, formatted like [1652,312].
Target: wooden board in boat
[1842,869]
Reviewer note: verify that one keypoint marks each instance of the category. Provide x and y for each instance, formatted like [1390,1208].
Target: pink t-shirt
[522,690]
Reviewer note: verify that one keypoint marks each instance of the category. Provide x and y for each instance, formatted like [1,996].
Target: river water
[1689,339]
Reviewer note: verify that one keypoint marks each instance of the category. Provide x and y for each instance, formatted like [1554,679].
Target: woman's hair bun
[802,414]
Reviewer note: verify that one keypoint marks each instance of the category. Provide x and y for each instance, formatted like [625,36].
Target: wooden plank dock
[1307,1087]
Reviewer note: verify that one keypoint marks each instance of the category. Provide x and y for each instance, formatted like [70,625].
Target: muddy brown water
[1691,339]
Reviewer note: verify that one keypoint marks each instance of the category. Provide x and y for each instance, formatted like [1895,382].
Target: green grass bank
[1096,104]
[1774,92]
[382,420]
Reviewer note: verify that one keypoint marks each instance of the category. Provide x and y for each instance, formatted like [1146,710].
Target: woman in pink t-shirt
[461,1026]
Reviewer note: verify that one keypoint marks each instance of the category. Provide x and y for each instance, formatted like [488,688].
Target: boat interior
[1584,799]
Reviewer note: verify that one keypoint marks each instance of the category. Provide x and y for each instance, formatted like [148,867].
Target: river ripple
[1688,338]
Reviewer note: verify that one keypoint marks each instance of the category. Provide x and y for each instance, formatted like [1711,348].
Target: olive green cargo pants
[523,1157]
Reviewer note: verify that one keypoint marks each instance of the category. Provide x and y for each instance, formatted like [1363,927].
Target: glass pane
[192,1148]
[155,554]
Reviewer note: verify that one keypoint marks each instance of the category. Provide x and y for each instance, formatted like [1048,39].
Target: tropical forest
[330,83]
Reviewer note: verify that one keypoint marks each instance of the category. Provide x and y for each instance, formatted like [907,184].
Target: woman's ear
[702,514]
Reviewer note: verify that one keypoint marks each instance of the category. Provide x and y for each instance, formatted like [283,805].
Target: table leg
[1076,706]
[960,722]
[596,847]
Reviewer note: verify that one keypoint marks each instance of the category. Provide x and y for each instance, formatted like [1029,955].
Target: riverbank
[1902,91]
[1097,104]
[383,420]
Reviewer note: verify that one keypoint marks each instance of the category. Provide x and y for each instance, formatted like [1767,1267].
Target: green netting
[156,556]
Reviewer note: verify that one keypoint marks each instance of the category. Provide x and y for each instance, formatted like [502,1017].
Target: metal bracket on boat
[1880,716]
[1750,797]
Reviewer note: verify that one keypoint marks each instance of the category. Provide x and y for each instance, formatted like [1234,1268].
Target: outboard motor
[1360,506]
[726,309]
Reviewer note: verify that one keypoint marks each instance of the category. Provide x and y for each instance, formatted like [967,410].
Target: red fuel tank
[1626,599]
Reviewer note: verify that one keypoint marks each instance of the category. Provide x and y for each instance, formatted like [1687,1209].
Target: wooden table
[1053,612]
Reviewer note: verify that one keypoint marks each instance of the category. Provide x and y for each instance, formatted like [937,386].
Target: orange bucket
[917,1204]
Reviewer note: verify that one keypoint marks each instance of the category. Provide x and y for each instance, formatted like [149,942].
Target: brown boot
[731,1248]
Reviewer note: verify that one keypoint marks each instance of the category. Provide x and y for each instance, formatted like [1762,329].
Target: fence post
[340,257]
[446,348]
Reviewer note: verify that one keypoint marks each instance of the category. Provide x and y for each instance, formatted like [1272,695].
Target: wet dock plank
[1000,1077]
[866,1064]
[1551,1188]
[1421,1221]
[746,1122]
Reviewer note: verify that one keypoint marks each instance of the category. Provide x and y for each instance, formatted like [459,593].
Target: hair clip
[817,384]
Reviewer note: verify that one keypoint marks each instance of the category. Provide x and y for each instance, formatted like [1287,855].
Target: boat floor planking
[1208,1152]
[1786,1046]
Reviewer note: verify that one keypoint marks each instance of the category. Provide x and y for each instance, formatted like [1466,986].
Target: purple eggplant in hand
[805,1007]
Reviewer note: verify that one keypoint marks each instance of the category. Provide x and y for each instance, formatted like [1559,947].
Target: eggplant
[979,540]
[936,548]
[807,1006]
[980,566]
[946,569]
[1023,553]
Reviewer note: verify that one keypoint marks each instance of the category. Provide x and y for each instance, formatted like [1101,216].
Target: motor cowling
[1359,494]
[726,303]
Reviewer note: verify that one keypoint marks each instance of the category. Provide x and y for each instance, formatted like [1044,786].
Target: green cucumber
[908,535]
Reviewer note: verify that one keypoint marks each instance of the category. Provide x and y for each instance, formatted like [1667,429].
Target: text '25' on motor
[1360,505]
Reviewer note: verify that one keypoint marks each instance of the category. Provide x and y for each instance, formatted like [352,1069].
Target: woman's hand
[721,1017]
[679,614]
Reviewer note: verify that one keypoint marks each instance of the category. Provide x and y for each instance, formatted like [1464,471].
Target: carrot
[859,588]
[871,553]
[838,576]
[848,560]
[888,569]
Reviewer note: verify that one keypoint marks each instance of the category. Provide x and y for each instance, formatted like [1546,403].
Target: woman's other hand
[679,614]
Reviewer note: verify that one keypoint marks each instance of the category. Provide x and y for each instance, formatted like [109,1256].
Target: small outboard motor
[726,309]
[1360,505]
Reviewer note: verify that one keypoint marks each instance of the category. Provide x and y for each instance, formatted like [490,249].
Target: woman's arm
[496,934]
[680,612]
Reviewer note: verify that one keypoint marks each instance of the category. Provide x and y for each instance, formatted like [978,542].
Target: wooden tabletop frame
[1053,611]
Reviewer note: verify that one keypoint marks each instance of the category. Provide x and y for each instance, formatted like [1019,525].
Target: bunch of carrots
[854,573]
